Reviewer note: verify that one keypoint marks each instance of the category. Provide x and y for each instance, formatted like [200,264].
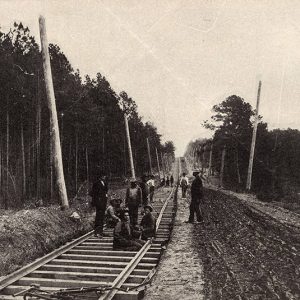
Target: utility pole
[149,156]
[222,166]
[129,147]
[157,162]
[249,176]
[54,129]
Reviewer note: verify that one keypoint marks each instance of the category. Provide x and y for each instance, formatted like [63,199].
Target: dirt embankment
[247,253]
[28,234]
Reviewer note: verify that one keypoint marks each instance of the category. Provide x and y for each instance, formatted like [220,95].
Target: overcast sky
[177,58]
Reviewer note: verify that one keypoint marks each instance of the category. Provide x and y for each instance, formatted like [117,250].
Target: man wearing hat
[196,195]
[113,211]
[148,223]
[133,201]
[99,201]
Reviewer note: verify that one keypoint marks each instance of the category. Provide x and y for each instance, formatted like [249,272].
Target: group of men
[168,181]
[123,217]
[196,195]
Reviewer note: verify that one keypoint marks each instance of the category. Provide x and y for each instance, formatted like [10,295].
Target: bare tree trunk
[7,159]
[23,162]
[222,166]
[57,155]
[237,166]
[51,169]
[87,167]
[76,161]
[38,146]
[70,160]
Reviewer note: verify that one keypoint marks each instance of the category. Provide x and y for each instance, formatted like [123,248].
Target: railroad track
[89,268]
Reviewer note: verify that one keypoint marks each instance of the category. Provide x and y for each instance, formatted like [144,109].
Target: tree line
[91,121]
[276,161]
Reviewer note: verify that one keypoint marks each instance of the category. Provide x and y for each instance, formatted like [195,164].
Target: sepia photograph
[150,149]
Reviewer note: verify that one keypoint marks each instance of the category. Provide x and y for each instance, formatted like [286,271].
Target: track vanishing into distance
[89,268]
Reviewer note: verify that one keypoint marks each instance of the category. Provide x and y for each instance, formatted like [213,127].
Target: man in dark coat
[171,180]
[99,201]
[196,195]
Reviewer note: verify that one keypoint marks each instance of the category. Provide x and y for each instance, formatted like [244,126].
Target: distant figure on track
[125,237]
[168,181]
[196,195]
[171,180]
[148,223]
[163,182]
[151,184]
[133,201]
[184,182]
[99,201]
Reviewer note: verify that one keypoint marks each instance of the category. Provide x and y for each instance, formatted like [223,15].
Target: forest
[91,123]
[276,163]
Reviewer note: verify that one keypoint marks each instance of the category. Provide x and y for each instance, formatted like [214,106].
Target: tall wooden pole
[158,167]
[149,156]
[129,147]
[54,129]
[222,166]
[249,176]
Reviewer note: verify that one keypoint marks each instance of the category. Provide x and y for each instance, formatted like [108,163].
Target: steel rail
[11,278]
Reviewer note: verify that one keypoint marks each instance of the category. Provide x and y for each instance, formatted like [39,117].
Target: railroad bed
[91,263]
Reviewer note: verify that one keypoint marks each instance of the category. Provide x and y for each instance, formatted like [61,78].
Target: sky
[178,58]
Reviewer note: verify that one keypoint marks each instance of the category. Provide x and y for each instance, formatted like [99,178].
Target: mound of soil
[28,234]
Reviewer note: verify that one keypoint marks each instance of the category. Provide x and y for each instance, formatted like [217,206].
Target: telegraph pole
[149,155]
[129,147]
[54,129]
[249,176]
[157,162]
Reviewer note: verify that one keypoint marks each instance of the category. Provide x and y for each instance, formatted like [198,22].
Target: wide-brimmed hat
[149,206]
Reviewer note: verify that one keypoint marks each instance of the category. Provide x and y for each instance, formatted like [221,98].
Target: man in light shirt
[184,183]
[151,184]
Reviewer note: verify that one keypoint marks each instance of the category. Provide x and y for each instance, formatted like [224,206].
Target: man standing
[145,190]
[99,200]
[184,182]
[133,201]
[196,195]
[171,180]
[151,184]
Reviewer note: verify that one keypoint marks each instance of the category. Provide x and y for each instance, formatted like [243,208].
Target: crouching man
[125,237]
[148,223]
[112,213]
